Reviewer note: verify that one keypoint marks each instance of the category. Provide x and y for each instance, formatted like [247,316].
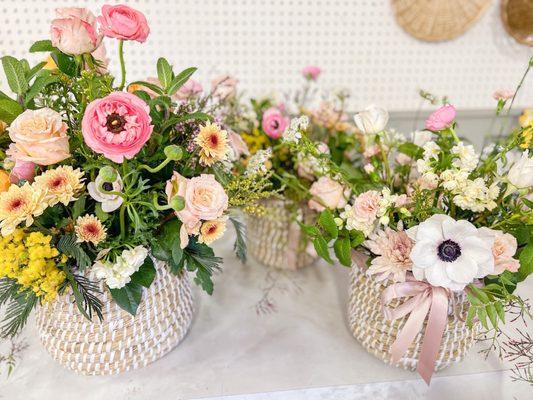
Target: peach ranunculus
[205,200]
[327,193]
[39,136]
[224,87]
[123,22]
[117,126]
[503,250]
[74,31]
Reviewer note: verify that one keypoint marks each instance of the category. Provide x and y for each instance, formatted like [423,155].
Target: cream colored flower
[20,204]
[60,185]
[90,229]
[212,230]
[213,143]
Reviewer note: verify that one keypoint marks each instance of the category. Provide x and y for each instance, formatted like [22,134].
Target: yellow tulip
[4,181]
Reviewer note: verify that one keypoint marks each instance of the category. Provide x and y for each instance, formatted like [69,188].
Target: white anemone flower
[450,253]
[110,202]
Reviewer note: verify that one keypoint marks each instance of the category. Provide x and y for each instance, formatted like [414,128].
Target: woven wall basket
[275,239]
[377,335]
[120,342]
[438,20]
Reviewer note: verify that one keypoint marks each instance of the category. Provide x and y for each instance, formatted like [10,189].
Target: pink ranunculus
[190,89]
[22,171]
[123,22]
[503,250]
[205,200]
[366,206]
[311,72]
[224,87]
[274,123]
[327,193]
[74,31]
[117,126]
[441,119]
[503,94]
[39,136]
[238,145]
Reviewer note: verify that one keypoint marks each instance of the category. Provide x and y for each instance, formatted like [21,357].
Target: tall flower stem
[122,65]
[122,221]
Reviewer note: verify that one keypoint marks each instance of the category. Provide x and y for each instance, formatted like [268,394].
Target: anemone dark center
[115,123]
[108,186]
[449,251]
[275,124]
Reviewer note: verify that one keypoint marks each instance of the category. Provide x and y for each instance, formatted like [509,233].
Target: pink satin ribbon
[423,299]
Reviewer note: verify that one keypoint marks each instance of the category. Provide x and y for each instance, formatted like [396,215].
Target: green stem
[156,169]
[122,65]
[122,221]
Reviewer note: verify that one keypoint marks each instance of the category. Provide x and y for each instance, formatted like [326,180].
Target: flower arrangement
[99,182]
[433,216]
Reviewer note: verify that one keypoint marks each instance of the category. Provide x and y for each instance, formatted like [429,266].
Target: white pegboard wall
[265,44]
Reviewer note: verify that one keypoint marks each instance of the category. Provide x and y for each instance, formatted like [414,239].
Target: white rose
[521,173]
[371,120]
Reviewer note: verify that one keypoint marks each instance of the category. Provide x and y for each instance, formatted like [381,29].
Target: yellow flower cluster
[256,140]
[32,262]
[526,121]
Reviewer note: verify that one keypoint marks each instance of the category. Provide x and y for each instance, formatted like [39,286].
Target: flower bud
[175,153]
[108,174]
[177,203]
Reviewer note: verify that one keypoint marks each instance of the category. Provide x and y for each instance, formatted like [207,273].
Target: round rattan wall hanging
[517,18]
[438,20]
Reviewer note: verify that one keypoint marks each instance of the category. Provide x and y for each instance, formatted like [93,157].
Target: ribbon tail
[409,331]
[438,317]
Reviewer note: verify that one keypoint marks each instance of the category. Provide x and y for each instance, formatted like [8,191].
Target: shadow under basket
[275,238]
[121,342]
[376,334]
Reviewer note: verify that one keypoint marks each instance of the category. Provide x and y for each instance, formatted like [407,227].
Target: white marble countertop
[300,350]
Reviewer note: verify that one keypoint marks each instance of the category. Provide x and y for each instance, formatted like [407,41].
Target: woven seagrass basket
[376,334]
[120,342]
[275,238]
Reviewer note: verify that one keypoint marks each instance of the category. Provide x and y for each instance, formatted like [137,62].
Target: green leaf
[159,252]
[311,231]
[101,214]
[526,262]
[78,207]
[9,110]
[342,250]
[411,149]
[493,316]
[240,240]
[200,116]
[470,316]
[177,253]
[500,311]
[482,315]
[32,72]
[180,80]
[357,238]
[527,202]
[327,222]
[146,273]
[128,297]
[40,83]
[42,46]
[14,71]
[67,245]
[65,63]
[164,72]
[203,278]
[321,247]
[200,258]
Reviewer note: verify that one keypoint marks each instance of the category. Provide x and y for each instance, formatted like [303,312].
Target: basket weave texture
[376,334]
[120,342]
[276,240]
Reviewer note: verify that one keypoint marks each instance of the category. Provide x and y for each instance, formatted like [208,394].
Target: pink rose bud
[74,31]
[123,22]
[117,126]
[274,123]
[311,72]
[22,171]
[441,119]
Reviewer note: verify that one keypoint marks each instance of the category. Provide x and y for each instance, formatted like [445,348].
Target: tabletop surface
[265,335]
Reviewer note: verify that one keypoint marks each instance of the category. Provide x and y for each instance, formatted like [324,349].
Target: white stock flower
[257,163]
[371,120]
[118,274]
[474,195]
[450,253]
[431,150]
[293,132]
[453,179]
[468,158]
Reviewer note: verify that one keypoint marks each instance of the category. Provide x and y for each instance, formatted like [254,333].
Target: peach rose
[190,89]
[74,31]
[205,199]
[327,193]
[503,250]
[39,136]
[366,206]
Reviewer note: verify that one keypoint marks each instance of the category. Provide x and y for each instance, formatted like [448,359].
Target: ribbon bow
[424,299]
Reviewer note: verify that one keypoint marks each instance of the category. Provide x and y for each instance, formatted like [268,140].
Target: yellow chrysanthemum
[212,230]
[90,229]
[20,204]
[32,262]
[213,143]
[61,184]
